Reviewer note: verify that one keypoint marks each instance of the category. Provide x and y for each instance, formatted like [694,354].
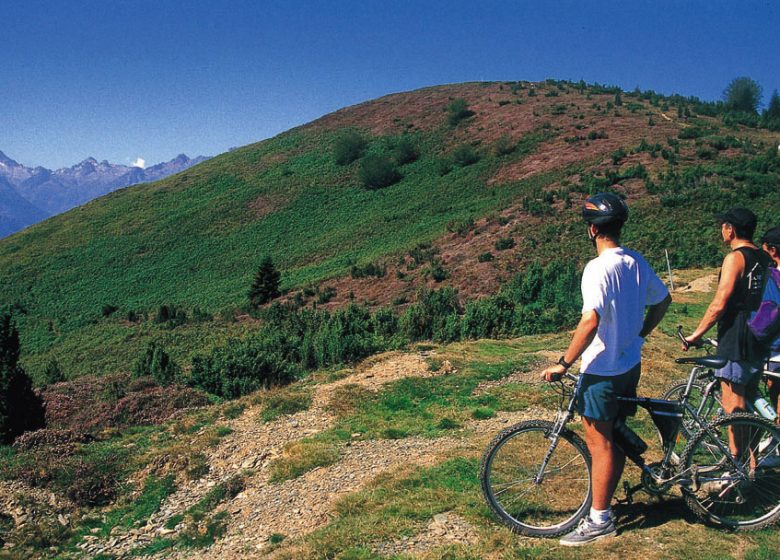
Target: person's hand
[553,373]
[691,341]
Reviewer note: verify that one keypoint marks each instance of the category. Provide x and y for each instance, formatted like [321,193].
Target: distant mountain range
[29,195]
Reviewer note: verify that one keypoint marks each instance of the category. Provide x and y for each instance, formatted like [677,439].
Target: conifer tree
[266,284]
[21,409]
[742,95]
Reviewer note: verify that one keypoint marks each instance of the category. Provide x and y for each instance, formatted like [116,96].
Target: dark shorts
[742,372]
[597,395]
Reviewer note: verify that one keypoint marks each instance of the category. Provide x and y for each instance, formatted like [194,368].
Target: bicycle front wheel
[735,470]
[529,499]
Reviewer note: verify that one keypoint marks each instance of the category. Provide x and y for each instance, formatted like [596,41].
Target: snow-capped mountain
[29,195]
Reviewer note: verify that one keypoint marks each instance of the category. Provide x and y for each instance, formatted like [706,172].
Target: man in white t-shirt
[617,287]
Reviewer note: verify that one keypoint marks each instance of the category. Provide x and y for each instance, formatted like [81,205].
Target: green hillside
[85,285]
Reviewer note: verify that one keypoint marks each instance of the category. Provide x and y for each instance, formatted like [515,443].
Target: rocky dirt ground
[299,506]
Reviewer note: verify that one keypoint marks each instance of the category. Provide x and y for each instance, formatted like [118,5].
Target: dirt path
[299,506]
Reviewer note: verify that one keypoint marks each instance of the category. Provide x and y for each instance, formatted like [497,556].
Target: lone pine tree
[266,284]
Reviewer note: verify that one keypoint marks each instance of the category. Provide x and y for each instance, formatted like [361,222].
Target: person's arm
[583,336]
[733,266]
[654,315]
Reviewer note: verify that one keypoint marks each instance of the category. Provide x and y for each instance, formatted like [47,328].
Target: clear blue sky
[120,80]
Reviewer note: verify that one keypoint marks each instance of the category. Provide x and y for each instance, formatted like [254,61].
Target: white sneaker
[764,446]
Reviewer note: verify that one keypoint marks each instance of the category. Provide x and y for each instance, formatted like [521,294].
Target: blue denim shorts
[597,395]
[742,372]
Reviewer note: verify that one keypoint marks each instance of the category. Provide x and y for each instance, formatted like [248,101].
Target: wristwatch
[562,362]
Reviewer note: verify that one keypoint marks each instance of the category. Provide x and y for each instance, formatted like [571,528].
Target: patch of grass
[233,411]
[299,457]
[130,515]
[393,506]
[422,406]
[483,413]
[285,401]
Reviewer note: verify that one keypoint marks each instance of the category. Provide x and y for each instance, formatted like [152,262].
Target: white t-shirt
[618,285]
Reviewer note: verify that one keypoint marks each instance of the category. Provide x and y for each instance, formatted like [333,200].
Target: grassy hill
[85,285]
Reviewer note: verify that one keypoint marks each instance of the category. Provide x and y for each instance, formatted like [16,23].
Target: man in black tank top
[739,292]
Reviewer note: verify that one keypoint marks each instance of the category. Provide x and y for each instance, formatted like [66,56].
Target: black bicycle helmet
[604,208]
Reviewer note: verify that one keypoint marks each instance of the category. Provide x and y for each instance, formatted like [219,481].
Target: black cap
[739,217]
[772,237]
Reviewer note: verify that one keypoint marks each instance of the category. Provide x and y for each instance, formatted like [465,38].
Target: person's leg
[608,461]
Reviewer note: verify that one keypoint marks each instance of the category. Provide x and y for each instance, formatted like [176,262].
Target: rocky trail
[296,507]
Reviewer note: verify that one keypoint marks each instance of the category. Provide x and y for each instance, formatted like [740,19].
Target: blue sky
[121,80]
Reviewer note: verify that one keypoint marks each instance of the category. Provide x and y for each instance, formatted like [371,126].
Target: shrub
[243,366]
[426,319]
[457,111]
[437,270]
[348,148]
[504,243]
[343,337]
[169,315]
[485,257]
[597,135]
[53,372]
[93,483]
[108,310]
[326,295]
[405,151]
[504,145]
[461,227]
[157,364]
[266,284]
[443,167]
[465,154]
[377,172]
[370,269]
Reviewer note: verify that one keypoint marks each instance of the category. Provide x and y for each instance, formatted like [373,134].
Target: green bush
[504,145]
[370,269]
[53,372]
[157,364]
[457,111]
[504,243]
[348,148]
[426,319]
[405,151]
[243,366]
[464,155]
[171,316]
[377,172]
[485,257]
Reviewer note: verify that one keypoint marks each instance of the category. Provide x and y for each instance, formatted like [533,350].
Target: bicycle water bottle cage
[705,361]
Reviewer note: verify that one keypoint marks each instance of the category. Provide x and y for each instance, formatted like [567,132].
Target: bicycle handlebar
[703,342]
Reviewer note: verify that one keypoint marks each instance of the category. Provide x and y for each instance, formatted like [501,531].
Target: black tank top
[734,339]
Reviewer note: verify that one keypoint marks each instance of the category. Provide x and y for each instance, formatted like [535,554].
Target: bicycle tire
[507,475]
[711,410]
[723,497]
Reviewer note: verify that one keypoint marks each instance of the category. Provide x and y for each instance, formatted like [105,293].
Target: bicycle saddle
[705,361]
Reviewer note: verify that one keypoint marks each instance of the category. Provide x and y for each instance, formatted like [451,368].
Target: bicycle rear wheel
[529,501]
[720,494]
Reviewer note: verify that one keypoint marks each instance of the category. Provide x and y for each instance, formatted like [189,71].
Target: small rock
[63,520]
[440,518]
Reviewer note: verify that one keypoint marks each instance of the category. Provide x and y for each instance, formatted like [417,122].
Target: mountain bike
[536,475]
[705,391]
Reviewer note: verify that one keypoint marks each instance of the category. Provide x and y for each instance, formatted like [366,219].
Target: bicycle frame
[667,416]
